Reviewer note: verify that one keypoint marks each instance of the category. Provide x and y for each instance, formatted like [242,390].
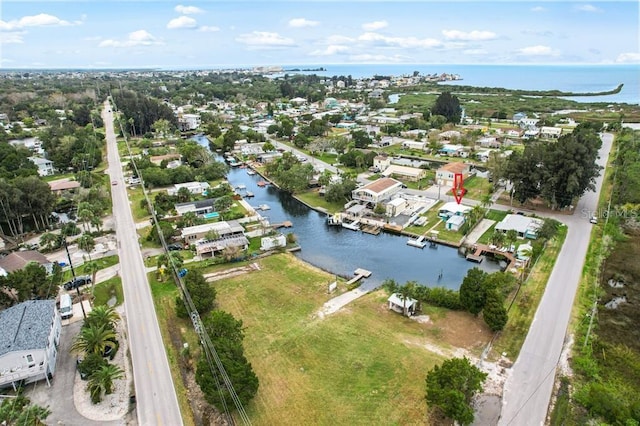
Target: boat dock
[481,249]
[417,242]
[285,224]
[371,229]
[359,274]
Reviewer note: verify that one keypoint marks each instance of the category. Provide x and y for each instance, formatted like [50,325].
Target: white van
[66,307]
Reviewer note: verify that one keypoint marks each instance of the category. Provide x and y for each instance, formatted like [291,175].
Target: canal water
[341,251]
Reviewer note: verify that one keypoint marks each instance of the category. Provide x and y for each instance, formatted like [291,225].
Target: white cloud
[469,36]
[405,42]
[629,57]
[264,40]
[332,49]
[136,38]
[376,59]
[338,39]
[375,25]
[538,50]
[302,23]
[40,20]
[182,22]
[538,9]
[11,37]
[475,52]
[588,8]
[188,10]
[208,29]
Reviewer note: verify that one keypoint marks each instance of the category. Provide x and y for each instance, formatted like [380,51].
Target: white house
[377,191]
[454,223]
[45,167]
[413,174]
[414,145]
[381,162]
[189,121]
[30,334]
[452,209]
[270,243]
[196,188]
[222,229]
[526,227]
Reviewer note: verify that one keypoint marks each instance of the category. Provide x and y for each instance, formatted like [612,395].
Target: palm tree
[101,381]
[86,243]
[85,216]
[165,260]
[49,240]
[511,237]
[486,201]
[497,238]
[103,315]
[94,339]
[92,268]
[405,292]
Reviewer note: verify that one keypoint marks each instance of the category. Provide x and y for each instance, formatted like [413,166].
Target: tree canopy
[447,105]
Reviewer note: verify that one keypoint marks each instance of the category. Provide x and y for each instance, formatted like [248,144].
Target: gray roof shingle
[26,325]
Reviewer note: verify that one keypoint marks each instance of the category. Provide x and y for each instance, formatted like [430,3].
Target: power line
[213,360]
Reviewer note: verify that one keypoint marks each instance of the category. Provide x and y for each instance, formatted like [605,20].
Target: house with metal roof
[377,191]
[526,227]
[29,338]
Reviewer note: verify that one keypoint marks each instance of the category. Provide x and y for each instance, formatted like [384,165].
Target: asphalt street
[528,388]
[156,399]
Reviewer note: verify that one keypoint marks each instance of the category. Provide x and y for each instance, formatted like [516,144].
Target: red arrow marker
[458,190]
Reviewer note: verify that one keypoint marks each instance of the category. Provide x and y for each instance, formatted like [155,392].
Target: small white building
[452,209]
[189,121]
[454,223]
[396,206]
[526,227]
[29,337]
[399,304]
[550,132]
[407,144]
[191,234]
[270,243]
[196,188]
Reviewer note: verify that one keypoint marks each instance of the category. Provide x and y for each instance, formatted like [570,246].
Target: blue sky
[166,34]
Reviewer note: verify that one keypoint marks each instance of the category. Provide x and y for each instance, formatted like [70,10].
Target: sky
[216,33]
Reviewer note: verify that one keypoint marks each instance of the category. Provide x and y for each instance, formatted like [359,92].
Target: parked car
[77,282]
[593,220]
[182,272]
[174,247]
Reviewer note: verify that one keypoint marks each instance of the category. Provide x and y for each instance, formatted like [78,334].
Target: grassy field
[108,289]
[135,197]
[103,262]
[432,219]
[477,188]
[363,365]
[495,215]
[522,311]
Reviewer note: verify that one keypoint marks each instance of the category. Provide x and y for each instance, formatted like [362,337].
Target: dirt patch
[461,329]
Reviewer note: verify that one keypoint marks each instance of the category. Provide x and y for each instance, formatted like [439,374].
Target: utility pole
[73,273]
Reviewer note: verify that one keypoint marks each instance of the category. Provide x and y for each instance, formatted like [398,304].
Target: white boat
[249,194]
[264,207]
[251,172]
[354,226]
[416,243]
[241,186]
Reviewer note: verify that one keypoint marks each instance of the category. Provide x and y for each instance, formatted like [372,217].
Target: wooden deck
[481,249]
[285,224]
[371,229]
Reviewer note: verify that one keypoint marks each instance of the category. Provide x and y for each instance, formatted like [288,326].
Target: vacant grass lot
[108,289]
[362,365]
[495,215]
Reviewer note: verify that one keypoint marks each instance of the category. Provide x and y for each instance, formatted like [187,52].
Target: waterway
[341,251]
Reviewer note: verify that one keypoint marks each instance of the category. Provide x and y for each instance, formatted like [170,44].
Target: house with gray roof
[20,259]
[29,337]
[526,227]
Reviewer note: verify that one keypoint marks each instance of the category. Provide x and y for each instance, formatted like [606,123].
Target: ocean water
[567,78]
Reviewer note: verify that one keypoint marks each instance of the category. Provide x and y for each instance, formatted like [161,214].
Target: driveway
[59,397]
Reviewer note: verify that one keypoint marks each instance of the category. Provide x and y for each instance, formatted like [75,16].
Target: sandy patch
[113,406]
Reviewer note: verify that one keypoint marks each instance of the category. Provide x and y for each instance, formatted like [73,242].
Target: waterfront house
[18,260]
[377,191]
[195,188]
[188,122]
[409,144]
[526,227]
[45,167]
[455,222]
[452,209]
[445,175]
[191,234]
[399,304]
[30,334]
[209,248]
[451,150]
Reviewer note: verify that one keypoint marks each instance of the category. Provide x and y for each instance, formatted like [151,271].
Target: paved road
[527,391]
[155,394]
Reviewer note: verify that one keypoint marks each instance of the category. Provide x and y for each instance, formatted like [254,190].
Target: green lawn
[477,188]
[432,219]
[314,199]
[447,235]
[495,215]
[104,291]
[354,367]
[103,262]
[135,197]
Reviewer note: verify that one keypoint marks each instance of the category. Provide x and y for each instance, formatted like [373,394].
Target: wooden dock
[371,229]
[285,224]
[359,274]
[481,249]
